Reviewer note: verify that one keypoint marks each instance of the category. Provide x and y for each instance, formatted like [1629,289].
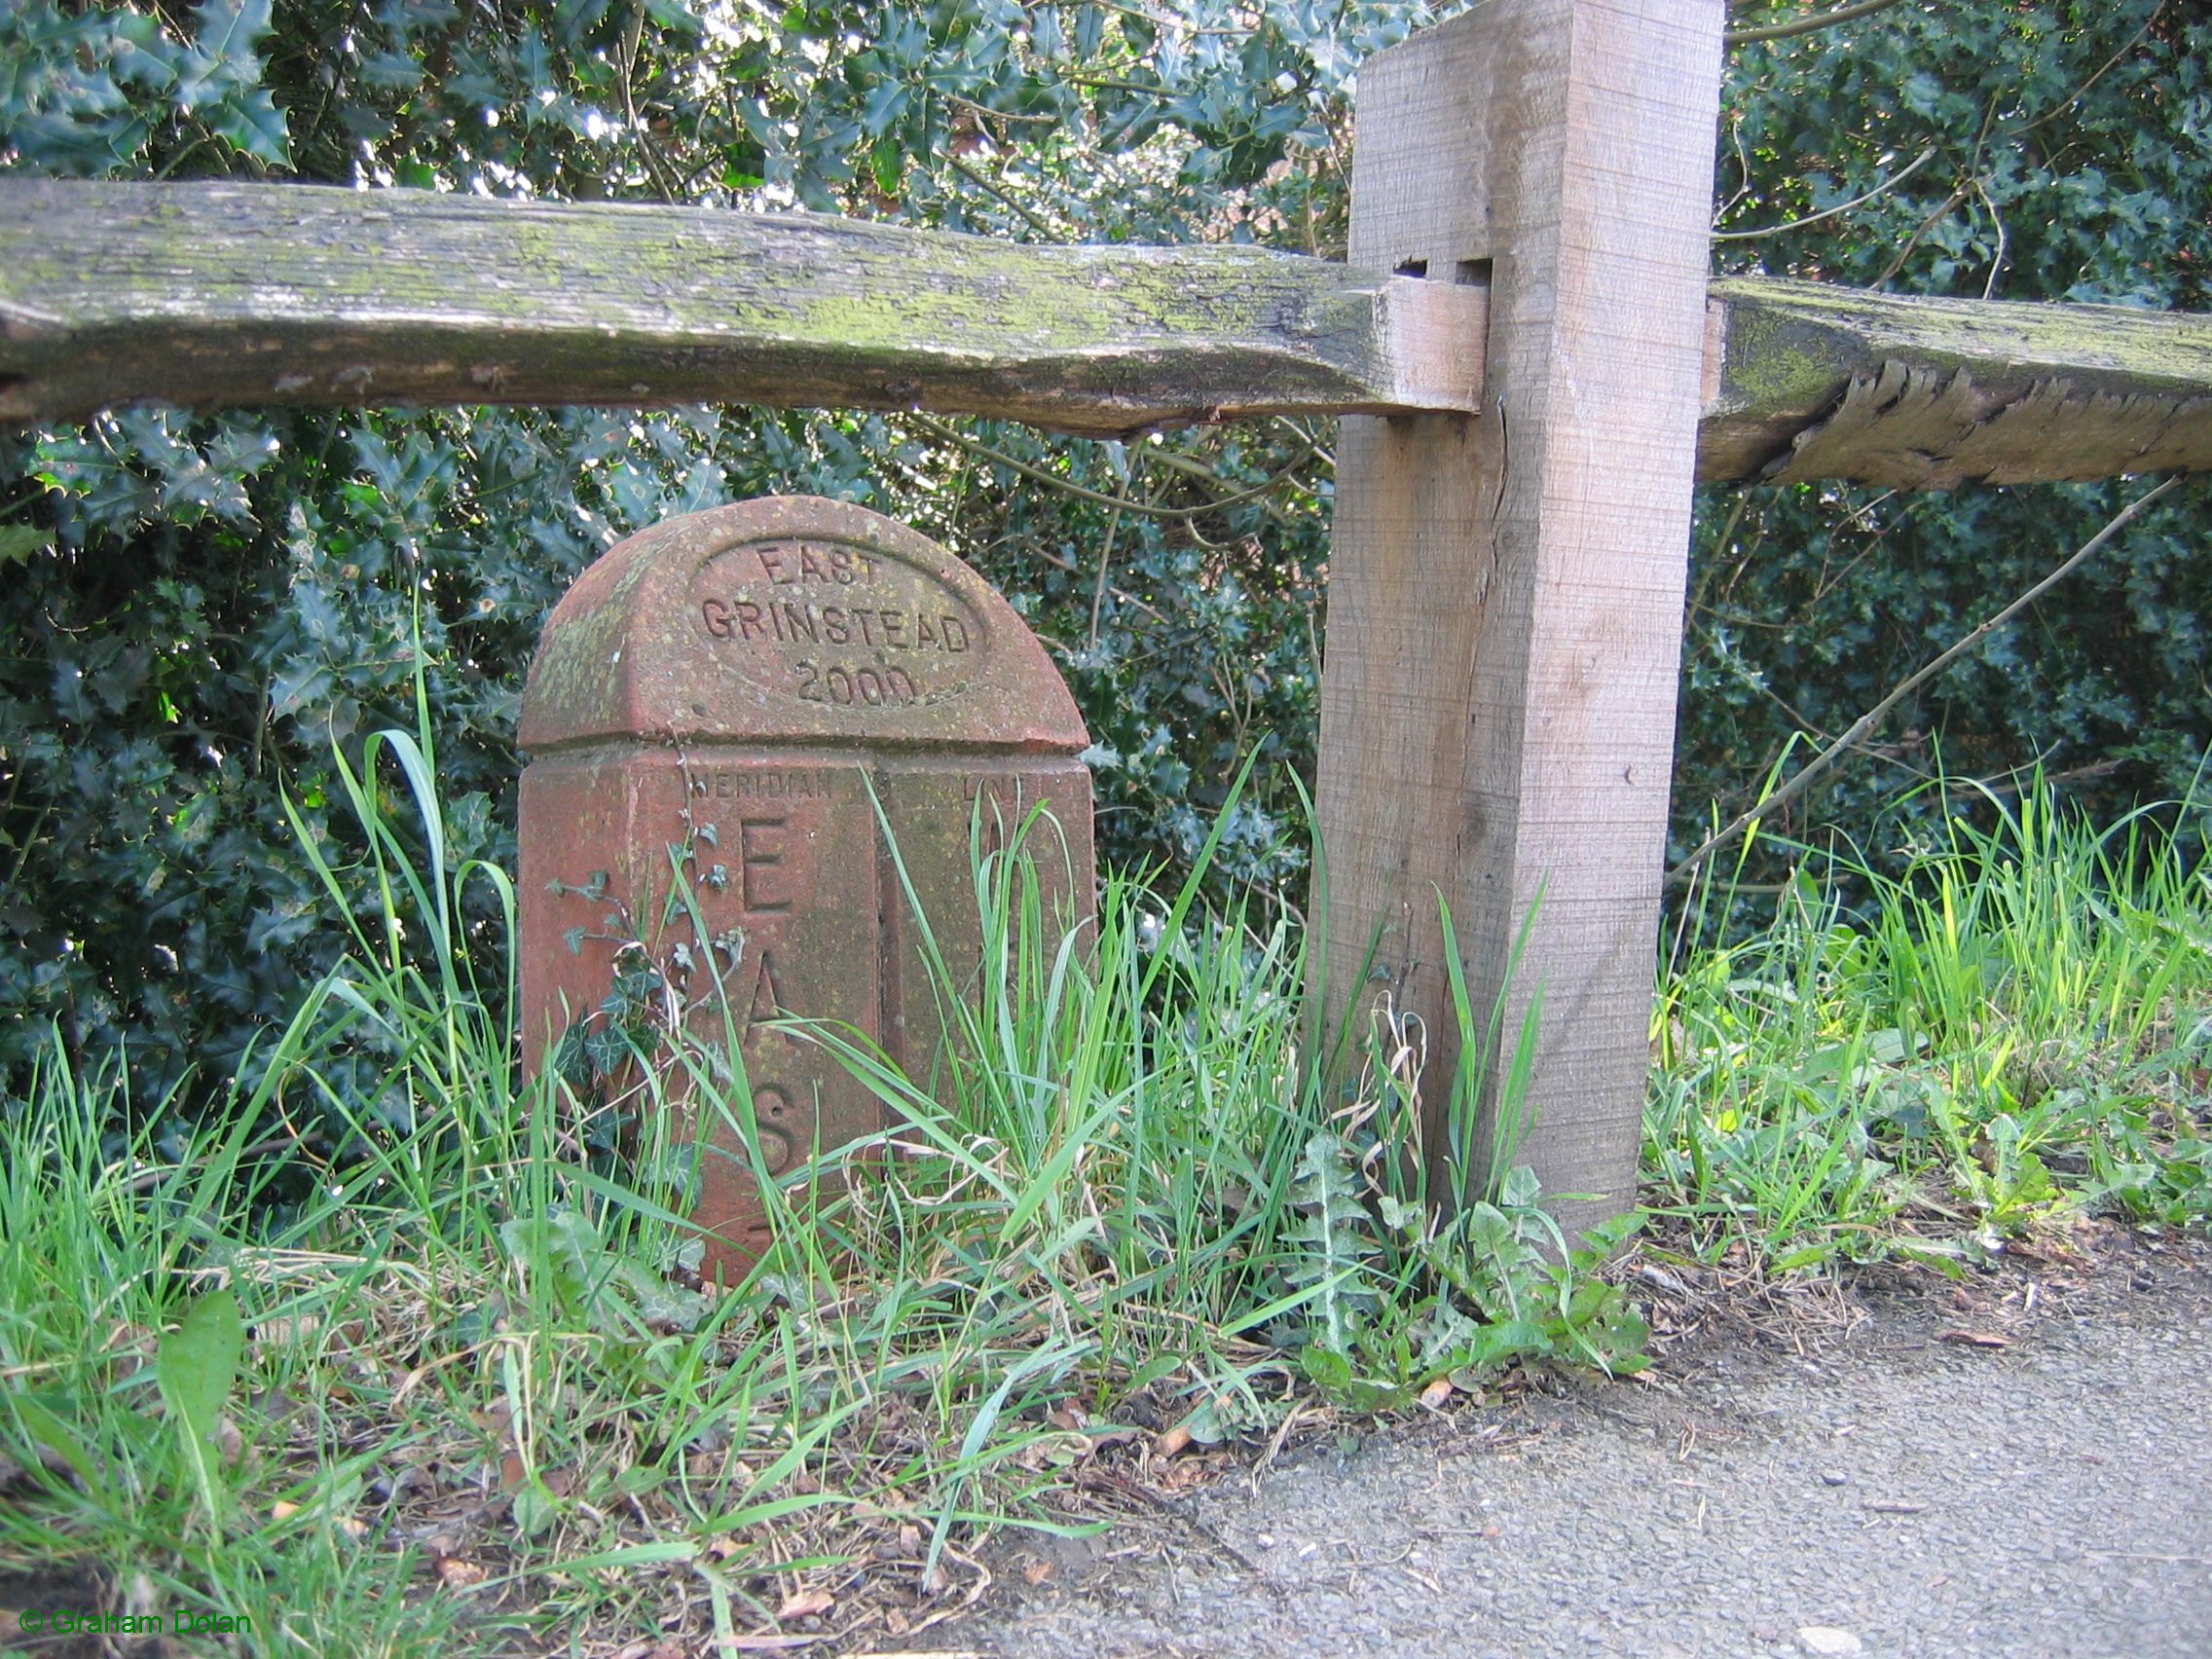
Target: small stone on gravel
[1828,1639]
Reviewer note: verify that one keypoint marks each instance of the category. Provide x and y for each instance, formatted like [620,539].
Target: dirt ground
[2018,1464]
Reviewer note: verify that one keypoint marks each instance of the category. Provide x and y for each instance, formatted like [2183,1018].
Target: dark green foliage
[2067,158]
[202,604]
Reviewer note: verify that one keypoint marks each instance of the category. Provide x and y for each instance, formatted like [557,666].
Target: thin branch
[1105,567]
[2080,91]
[1898,177]
[1911,682]
[937,430]
[1036,222]
[996,114]
[1109,84]
[631,40]
[146,1180]
[1122,594]
[1806,25]
[1921,230]
[1997,262]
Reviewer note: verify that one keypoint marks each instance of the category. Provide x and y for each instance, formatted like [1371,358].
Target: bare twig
[1922,229]
[1997,261]
[1867,723]
[1122,594]
[146,1180]
[986,110]
[2076,94]
[1036,222]
[1806,25]
[1105,566]
[937,430]
[631,40]
[1895,178]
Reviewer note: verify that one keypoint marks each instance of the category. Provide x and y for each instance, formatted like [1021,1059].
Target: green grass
[2016,1029]
[390,1359]
[394,1358]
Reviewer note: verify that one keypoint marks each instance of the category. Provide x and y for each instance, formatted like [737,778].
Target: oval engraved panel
[837,625]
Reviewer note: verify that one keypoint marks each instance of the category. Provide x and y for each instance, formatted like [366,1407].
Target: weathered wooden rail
[222,294]
[1531,364]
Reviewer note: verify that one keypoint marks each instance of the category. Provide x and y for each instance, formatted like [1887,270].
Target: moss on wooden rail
[210,295]
[216,294]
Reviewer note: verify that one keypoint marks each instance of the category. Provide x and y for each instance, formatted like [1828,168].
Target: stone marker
[719,692]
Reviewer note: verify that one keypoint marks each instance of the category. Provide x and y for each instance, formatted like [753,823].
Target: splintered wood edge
[1805,382]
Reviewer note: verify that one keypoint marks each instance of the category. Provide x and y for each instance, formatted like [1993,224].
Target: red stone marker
[719,692]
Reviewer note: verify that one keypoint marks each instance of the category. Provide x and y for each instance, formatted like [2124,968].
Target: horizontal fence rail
[210,295]
[229,294]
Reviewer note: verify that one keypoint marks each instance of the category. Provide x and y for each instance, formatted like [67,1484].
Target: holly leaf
[20,544]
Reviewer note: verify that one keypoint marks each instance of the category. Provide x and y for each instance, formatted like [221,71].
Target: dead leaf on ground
[1037,1570]
[456,1573]
[1168,1441]
[353,1525]
[285,1328]
[1975,1339]
[1188,1472]
[805,1604]
[139,1601]
[1436,1393]
[645,1648]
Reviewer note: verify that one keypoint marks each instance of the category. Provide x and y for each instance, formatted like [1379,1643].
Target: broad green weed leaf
[197,1363]
[194,1367]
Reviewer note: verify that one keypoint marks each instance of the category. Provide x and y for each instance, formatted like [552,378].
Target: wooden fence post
[1505,592]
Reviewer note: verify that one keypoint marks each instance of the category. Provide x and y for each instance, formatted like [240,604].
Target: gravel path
[1901,1494]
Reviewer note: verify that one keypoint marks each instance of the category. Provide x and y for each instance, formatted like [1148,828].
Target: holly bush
[208,607]
[2015,152]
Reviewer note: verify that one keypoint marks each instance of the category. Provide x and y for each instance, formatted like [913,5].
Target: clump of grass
[394,1357]
[2017,1027]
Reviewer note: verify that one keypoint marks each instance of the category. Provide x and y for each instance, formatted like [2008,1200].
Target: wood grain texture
[223,294]
[1505,592]
[1924,429]
[210,295]
[1812,382]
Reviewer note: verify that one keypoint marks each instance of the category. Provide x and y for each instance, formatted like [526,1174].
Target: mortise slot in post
[1411,268]
[1471,273]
